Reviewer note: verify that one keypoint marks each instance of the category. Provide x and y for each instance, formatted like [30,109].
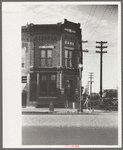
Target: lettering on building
[69,30]
[69,43]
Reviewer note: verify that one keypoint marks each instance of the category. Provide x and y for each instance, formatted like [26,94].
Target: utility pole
[81,68]
[101,52]
[91,76]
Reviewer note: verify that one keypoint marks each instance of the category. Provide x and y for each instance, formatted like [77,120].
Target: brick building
[52,55]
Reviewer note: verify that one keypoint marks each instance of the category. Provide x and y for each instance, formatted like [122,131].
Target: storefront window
[52,77]
[43,77]
[48,85]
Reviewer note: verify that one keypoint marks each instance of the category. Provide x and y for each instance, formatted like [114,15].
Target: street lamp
[80,77]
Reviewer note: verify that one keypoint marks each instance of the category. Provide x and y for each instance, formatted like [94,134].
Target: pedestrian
[92,106]
[87,104]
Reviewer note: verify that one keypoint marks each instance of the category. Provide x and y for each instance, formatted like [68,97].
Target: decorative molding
[70,48]
[46,46]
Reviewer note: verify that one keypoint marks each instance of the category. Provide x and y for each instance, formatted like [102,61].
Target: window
[48,85]
[46,58]
[68,58]
[24,79]
[22,62]
[22,65]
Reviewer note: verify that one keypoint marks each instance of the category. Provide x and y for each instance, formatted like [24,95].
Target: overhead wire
[107,19]
[110,44]
[99,22]
[90,19]
[92,16]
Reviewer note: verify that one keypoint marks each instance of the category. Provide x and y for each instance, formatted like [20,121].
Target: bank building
[51,55]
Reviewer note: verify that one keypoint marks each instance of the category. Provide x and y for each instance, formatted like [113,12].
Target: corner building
[52,55]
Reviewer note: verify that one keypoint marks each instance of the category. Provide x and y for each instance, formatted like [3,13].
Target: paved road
[91,129]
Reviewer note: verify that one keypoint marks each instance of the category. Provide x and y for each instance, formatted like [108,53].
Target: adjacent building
[52,55]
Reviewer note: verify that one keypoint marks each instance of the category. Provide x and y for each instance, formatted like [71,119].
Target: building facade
[52,57]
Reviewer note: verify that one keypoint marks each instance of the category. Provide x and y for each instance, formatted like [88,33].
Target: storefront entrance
[69,90]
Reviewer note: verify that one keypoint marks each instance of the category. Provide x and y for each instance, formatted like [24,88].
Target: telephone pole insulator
[84,50]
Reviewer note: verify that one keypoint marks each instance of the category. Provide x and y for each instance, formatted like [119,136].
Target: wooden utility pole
[81,68]
[101,52]
[91,76]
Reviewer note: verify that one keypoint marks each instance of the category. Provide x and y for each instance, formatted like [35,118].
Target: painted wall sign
[69,43]
[52,46]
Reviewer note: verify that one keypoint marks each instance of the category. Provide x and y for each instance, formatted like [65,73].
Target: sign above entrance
[52,46]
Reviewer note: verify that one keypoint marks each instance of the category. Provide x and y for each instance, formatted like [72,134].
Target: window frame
[48,81]
[68,59]
[46,58]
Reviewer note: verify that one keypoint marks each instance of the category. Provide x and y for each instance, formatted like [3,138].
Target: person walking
[87,104]
[92,106]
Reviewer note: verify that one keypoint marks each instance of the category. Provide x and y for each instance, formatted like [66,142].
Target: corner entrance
[69,89]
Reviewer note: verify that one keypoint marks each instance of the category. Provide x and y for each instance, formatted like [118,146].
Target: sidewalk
[33,110]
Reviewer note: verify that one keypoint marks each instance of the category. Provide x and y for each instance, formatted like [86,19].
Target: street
[84,129]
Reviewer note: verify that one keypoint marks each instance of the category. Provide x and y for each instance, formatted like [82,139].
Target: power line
[92,16]
[88,17]
[107,19]
[99,22]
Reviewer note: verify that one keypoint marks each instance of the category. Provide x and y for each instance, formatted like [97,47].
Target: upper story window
[23,56]
[22,65]
[24,79]
[68,58]
[46,58]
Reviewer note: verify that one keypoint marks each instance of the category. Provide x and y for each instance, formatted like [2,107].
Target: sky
[98,23]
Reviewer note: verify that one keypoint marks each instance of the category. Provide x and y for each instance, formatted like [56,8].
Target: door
[69,90]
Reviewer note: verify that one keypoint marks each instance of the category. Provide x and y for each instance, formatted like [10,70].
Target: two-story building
[52,55]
